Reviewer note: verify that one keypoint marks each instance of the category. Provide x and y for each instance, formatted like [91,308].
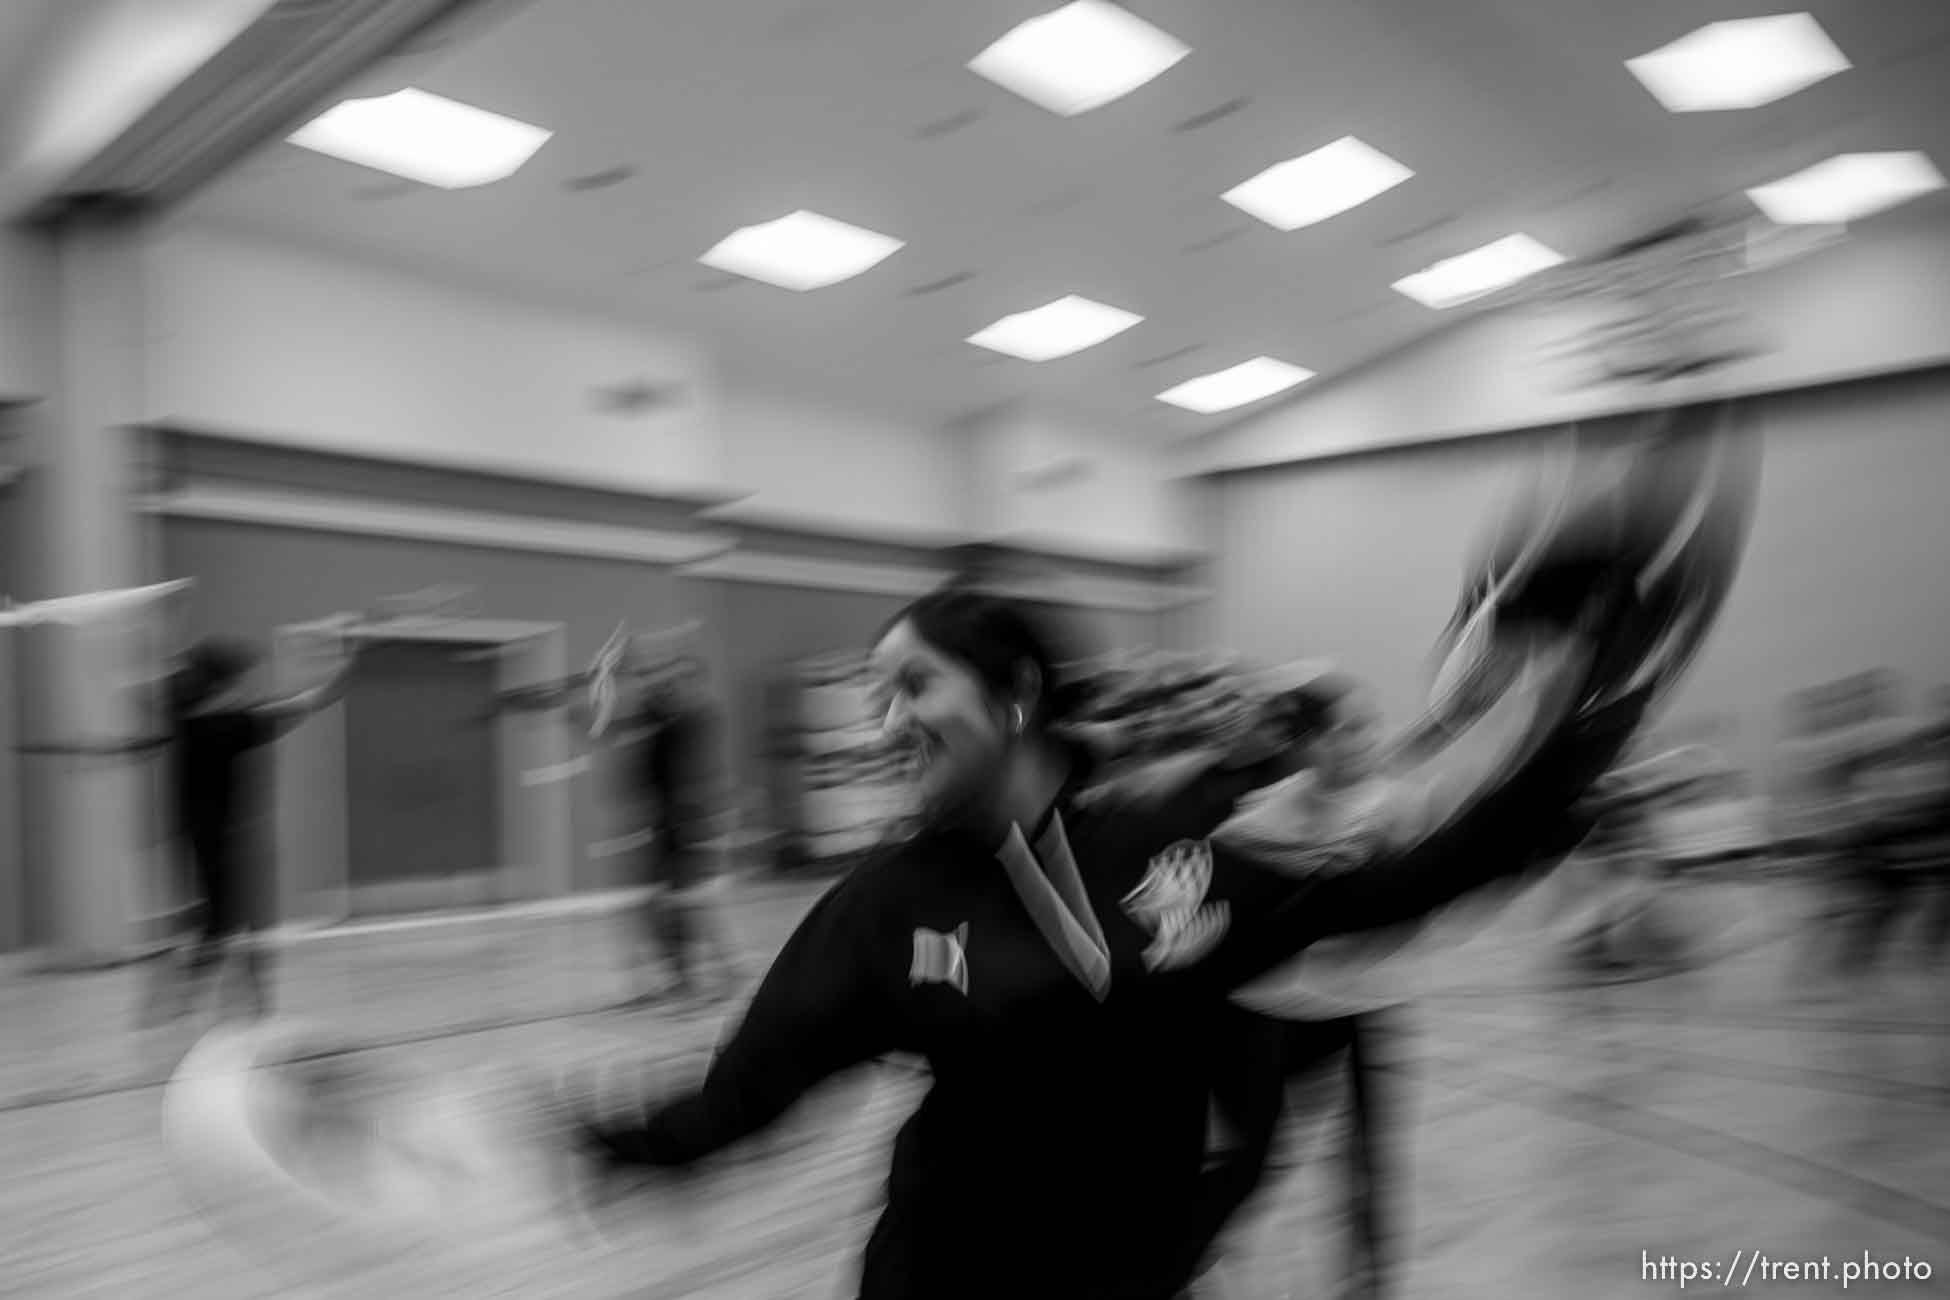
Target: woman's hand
[325,650]
[602,684]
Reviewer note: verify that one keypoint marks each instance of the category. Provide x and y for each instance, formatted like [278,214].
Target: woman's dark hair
[997,639]
[210,666]
[1308,710]
[226,659]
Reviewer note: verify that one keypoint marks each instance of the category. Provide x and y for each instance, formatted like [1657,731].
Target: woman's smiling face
[936,707]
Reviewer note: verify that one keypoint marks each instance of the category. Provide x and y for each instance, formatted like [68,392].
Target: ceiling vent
[638,397]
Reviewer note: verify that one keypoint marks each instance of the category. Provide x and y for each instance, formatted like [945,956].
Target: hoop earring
[1019,719]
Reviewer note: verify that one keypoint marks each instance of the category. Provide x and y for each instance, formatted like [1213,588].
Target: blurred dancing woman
[1064,964]
[1061,964]
[664,735]
[683,781]
[217,727]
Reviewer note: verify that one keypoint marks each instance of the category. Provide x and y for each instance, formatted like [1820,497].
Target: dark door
[420,777]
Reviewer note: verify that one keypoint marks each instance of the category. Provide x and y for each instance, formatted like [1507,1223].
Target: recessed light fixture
[424,138]
[1468,276]
[1055,329]
[1847,188]
[801,251]
[1079,57]
[1744,63]
[1313,187]
[1240,385]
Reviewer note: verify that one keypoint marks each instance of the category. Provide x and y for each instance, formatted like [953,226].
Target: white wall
[274,342]
[1360,559]
[1049,480]
[1875,304]
[1357,560]
[1023,475]
[821,467]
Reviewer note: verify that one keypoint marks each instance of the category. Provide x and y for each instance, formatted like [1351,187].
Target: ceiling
[1515,115]
[25,28]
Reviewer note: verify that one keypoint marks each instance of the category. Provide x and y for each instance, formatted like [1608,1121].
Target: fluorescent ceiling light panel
[801,251]
[1847,188]
[1079,57]
[1247,382]
[1740,64]
[1467,276]
[1311,188]
[1055,329]
[424,138]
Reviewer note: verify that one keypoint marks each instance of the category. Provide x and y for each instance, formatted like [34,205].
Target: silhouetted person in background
[682,779]
[1898,787]
[663,734]
[218,798]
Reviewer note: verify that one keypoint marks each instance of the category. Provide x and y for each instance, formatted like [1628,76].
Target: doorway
[421,801]
[381,806]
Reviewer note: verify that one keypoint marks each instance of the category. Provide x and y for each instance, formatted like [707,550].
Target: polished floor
[1557,1138]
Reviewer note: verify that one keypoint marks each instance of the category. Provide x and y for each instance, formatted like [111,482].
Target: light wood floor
[1555,1138]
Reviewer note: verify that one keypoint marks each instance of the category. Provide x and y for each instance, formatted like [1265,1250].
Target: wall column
[87,818]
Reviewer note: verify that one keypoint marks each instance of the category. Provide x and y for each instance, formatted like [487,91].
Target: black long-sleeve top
[1058,1150]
